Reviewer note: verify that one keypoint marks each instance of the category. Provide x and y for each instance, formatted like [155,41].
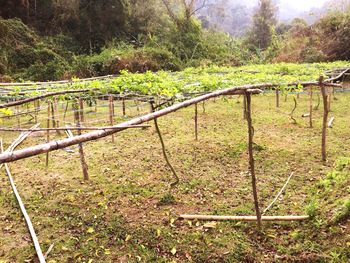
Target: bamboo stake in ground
[123,105]
[81,150]
[196,120]
[65,111]
[244,107]
[278,195]
[110,113]
[251,157]
[291,114]
[277,98]
[81,110]
[330,123]
[57,118]
[176,178]
[311,107]
[35,112]
[243,218]
[325,118]
[48,132]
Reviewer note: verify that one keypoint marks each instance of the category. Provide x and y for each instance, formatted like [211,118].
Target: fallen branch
[244,218]
[278,195]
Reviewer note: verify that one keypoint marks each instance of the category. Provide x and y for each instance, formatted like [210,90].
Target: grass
[126,214]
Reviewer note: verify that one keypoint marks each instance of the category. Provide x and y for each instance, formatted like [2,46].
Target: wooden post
[53,115]
[311,106]
[251,157]
[277,98]
[329,101]
[325,118]
[176,178]
[65,111]
[35,111]
[48,132]
[84,166]
[57,115]
[244,107]
[81,110]
[123,103]
[18,117]
[196,121]
[110,113]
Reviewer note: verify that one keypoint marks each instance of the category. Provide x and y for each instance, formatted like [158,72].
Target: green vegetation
[117,215]
[65,39]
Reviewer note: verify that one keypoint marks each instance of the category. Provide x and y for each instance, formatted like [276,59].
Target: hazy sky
[303,4]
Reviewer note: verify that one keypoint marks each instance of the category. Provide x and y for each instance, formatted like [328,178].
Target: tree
[264,20]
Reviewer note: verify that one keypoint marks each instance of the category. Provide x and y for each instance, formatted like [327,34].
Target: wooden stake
[57,118]
[53,115]
[176,178]
[65,111]
[48,132]
[311,107]
[330,123]
[244,218]
[277,98]
[35,111]
[110,113]
[81,107]
[84,166]
[325,118]
[123,104]
[251,157]
[196,121]
[244,107]
[278,195]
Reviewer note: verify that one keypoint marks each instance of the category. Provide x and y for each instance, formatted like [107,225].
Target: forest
[174,131]
[58,39]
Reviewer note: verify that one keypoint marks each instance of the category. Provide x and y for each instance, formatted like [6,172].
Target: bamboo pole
[244,107]
[51,94]
[20,202]
[63,143]
[35,111]
[251,157]
[110,113]
[53,115]
[311,107]
[330,123]
[123,105]
[57,118]
[81,110]
[84,166]
[325,118]
[277,98]
[244,218]
[73,128]
[196,121]
[48,132]
[278,195]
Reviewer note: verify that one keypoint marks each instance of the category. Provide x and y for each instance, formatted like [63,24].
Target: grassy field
[125,213]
